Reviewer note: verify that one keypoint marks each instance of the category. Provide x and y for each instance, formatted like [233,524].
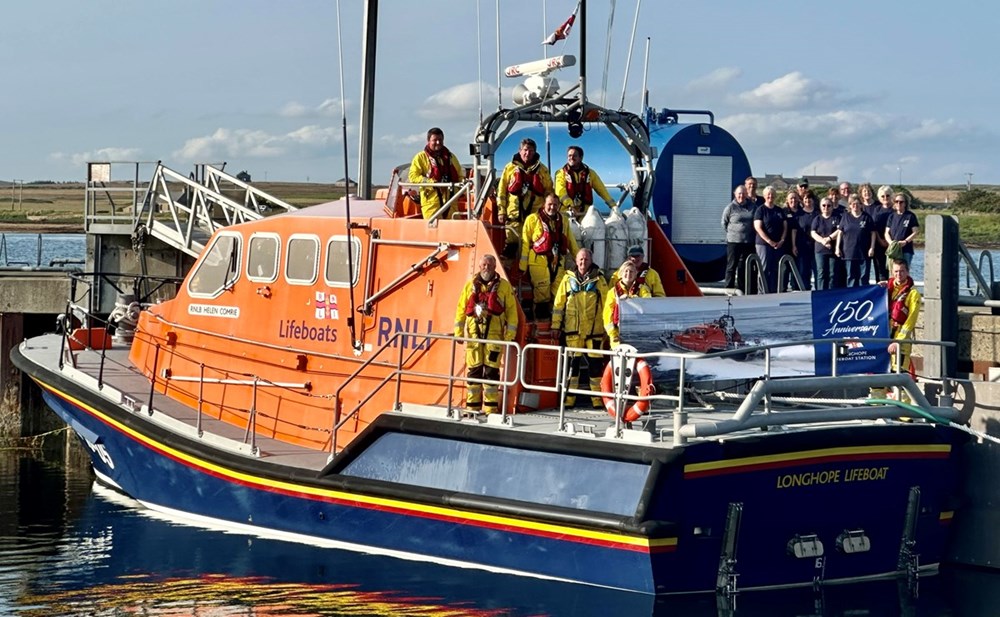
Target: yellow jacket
[432,198]
[511,203]
[905,331]
[534,226]
[577,309]
[647,277]
[498,327]
[616,293]
[578,204]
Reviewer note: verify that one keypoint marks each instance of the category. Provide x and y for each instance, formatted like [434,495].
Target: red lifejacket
[621,292]
[578,185]
[898,309]
[552,236]
[642,271]
[484,293]
[526,177]
[441,167]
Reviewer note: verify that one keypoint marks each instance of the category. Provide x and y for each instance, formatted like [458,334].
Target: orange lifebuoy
[646,388]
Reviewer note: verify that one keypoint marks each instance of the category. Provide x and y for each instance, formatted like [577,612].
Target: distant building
[782,183]
[351,184]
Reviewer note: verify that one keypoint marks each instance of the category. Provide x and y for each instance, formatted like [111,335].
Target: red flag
[561,32]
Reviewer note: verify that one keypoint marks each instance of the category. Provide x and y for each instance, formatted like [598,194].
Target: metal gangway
[183,211]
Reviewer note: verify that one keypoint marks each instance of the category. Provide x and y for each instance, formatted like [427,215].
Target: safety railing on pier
[38,251]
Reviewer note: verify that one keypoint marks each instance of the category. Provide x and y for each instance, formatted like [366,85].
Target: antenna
[355,342]
[628,61]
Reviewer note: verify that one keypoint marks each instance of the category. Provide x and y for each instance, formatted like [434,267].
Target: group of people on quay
[840,240]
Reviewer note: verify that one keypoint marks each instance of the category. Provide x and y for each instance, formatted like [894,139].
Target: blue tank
[697,167]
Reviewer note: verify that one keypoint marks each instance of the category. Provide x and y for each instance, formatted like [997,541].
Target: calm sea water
[18,250]
[68,547]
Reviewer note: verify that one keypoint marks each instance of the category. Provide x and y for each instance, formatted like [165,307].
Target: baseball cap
[803,182]
[636,250]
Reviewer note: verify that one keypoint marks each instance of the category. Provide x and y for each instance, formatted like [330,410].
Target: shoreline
[38,227]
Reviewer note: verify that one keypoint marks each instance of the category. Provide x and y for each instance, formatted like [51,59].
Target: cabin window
[219,267]
[566,480]
[262,258]
[301,264]
[336,261]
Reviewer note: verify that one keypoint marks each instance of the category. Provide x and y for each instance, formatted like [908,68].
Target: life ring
[646,388]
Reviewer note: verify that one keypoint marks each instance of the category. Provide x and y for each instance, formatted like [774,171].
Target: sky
[868,91]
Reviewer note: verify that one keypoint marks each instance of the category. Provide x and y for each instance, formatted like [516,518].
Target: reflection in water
[69,549]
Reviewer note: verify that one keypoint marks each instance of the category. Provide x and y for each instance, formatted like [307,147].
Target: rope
[929,416]
[32,442]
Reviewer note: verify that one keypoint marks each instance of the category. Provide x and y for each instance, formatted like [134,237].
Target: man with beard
[576,184]
[487,310]
[544,245]
[435,164]
[523,185]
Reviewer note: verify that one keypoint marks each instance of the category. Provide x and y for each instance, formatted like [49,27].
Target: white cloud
[806,129]
[930,129]
[101,154]
[718,79]
[790,91]
[329,108]
[256,144]
[460,101]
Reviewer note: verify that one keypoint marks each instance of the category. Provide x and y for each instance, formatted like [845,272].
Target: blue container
[697,167]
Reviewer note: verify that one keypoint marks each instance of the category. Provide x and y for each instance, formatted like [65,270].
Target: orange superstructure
[261,329]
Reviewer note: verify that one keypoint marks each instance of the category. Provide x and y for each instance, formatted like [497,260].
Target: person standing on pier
[904,310]
[902,226]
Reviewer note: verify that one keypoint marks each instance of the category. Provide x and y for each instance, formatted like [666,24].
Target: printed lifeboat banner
[741,324]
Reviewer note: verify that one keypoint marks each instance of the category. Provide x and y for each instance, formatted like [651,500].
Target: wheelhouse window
[218,269]
[301,264]
[336,274]
[262,258]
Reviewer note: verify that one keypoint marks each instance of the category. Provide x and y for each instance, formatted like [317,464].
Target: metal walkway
[182,211]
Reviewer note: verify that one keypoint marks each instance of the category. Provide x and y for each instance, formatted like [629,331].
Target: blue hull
[821,482]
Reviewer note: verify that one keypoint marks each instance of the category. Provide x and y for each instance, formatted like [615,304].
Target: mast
[367,100]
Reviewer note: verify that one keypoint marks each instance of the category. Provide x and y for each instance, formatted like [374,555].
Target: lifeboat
[715,336]
[303,381]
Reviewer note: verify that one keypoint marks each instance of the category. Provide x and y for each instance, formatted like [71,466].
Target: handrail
[399,372]
[788,262]
[984,288]
[770,386]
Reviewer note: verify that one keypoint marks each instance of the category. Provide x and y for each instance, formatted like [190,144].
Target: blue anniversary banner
[856,312]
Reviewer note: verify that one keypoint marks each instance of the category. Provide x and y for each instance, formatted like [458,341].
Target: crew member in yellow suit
[523,185]
[645,274]
[626,286]
[904,309]
[487,309]
[576,184]
[433,165]
[545,243]
[577,313]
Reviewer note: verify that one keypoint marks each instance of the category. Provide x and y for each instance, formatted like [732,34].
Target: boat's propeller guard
[611,379]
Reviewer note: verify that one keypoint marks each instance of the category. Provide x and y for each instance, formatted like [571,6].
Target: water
[917,269]
[70,548]
[44,250]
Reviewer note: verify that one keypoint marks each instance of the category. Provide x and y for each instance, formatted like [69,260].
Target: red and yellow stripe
[815,457]
[461,517]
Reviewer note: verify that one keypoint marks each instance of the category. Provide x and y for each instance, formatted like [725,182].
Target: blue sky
[861,90]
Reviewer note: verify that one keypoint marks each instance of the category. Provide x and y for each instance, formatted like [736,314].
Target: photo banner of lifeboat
[740,324]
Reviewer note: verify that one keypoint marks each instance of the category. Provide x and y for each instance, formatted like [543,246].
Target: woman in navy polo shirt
[772,228]
[902,226]
[825,229]
[856,242]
